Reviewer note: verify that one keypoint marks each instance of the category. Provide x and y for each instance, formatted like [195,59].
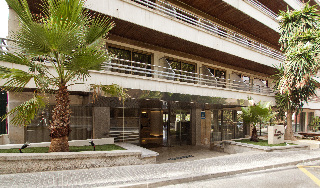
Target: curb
[187,179]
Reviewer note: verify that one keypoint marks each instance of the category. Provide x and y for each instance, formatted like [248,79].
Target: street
[307,176]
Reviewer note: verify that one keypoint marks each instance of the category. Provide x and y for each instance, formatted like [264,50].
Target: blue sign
[203,115]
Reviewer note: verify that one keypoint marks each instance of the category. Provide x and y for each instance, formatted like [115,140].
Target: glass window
[141,60]
[220,74]
[120,53]
[180,68]
[188,67]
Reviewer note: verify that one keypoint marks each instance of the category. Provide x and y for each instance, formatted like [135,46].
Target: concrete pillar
[13,23]
[206,128]
[196,126]
[101,122]
[156,125]
[17,134]
[215,121]
[157,61]
[307,121]
[227,77]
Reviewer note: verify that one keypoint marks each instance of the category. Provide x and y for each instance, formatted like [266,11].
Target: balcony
[4,44]
[176,13]
[262,8]
[167,74]
[143,76]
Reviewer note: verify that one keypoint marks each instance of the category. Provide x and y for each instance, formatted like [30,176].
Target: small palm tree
[58,47]
[258,113]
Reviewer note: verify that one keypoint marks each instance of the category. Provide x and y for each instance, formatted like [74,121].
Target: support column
[101,122]
[216,132]
[306,122]
[17,134]
[206,128]
[196,126]
[13,24]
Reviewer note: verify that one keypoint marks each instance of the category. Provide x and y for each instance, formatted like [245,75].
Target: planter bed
[232,147]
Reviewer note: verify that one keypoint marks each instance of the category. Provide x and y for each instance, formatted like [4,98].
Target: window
[220,76]
[218,73]
[134,62]
[184,69]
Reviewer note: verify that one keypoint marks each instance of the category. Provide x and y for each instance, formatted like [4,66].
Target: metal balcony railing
[167,73]
[161,72]
[207,25]
[263,8]
[4,44]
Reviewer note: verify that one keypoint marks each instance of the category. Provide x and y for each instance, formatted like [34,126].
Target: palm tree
[258,113]
[58,47]
[300,42]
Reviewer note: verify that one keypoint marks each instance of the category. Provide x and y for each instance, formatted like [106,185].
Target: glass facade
[3,111]
[80,124]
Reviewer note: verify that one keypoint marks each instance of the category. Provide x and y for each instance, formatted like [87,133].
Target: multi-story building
[188,66]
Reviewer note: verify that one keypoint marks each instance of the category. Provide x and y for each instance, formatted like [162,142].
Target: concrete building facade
[188,66]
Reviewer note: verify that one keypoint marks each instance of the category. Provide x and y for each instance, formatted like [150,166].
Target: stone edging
[265,148]
[37,162]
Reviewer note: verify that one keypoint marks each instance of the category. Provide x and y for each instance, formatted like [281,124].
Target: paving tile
[157,173]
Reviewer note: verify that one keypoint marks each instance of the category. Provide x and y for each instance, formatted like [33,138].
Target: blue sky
[3,19]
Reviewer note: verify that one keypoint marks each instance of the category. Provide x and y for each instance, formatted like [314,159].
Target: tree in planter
[300,42]
[258,113]
[57,47]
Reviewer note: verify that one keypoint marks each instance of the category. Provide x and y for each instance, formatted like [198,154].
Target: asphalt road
[305,176]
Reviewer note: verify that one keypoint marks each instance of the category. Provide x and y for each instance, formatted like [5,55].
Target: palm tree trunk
[254,136]
[60,125]
[289,132]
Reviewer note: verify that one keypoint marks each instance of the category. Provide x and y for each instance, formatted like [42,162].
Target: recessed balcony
[213,28]
[144,76]
[168,74]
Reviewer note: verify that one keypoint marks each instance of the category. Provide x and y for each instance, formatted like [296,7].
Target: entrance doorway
[179,131]
[151,127]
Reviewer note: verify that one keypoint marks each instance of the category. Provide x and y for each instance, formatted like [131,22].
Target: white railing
[263,8]
[154,71]
[4,44]
[168,73]
[193,19]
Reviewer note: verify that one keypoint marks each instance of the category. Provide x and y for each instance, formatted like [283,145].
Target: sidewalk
[153,175]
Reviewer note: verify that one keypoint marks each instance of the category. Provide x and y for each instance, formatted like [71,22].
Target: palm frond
[22,9]
[16,58]
[25,112]
[16,79]
[85,59]
[99,27]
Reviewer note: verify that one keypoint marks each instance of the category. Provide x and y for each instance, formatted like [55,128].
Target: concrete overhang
[132,31]
[235,17]
[276,5]
[138,33]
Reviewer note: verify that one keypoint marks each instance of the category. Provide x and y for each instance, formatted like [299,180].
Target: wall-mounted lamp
[92,144]
[25,145]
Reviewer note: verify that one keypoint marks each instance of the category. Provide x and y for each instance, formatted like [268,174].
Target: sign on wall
[203,115]
[276,134]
